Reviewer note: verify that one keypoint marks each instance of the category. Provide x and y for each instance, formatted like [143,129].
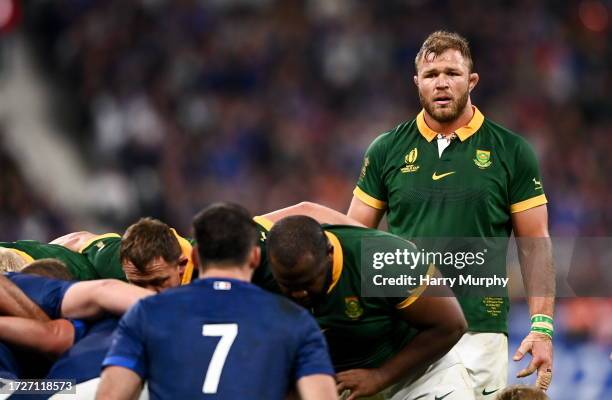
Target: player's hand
[360,382]
[541,349]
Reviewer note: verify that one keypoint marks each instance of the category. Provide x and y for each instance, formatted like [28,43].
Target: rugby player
[390,346]
[452,173]
[265,344]
[144,255]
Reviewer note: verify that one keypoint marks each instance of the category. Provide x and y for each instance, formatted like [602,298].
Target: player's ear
[195,257]
[473,81]
[415,79]
[255,257]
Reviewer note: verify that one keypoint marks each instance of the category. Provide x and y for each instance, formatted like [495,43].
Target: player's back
[220,339]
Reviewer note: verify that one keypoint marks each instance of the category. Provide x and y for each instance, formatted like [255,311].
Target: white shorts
[445,379]
[485,356]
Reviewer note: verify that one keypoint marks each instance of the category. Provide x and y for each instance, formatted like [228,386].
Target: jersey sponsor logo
[483,159]
[366,162]
[353,307]
[538,184]
[436,177]
[485,393]
[441,397]
[410,159]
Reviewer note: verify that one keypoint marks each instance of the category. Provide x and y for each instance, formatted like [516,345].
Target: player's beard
[446,114]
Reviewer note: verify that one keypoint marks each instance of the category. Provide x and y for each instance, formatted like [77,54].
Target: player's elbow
[307,208]
[59,337]
[84,300]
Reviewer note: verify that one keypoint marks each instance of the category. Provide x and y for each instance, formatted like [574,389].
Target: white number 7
[228,333]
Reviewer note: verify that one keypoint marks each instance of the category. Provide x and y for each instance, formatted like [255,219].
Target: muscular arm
[441,324]
[75,240]
[317,387]
[321,213]
[50,337]
[92,299]
[535,255]
[13,302]
[364,214]
[118,383]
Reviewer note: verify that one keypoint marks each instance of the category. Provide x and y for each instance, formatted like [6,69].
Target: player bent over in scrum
[127,257]
[394,348]
[220,337]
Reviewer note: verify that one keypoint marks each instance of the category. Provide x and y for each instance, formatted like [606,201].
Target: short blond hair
[10,261]
[521,392]
[440,41]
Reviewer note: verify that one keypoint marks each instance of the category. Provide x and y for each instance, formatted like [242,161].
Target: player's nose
[441,82]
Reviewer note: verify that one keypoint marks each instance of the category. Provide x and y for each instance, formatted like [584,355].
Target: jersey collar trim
[463,133]
[186,250]
[264,222]
[26,257]
[337,261]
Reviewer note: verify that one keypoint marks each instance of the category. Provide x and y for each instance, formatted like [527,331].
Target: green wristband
[541,318]
[545,331]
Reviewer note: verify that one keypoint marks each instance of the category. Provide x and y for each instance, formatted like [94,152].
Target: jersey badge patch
[222,285]
[353,308]
[483,159]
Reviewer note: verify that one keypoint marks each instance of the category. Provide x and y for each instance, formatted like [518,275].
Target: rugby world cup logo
[410,159]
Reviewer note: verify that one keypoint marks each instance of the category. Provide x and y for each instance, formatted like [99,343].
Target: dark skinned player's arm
[13,302]
[441,324]
[50,337]
[323,215]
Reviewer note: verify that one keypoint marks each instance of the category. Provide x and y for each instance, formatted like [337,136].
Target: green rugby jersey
[262,276]
[103,253]
[31,250]
[362,332]
[471,190]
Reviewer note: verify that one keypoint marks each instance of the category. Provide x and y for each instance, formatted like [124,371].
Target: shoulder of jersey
[393,134]
[504,133]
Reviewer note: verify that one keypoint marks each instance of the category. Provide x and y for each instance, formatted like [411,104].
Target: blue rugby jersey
[219,339]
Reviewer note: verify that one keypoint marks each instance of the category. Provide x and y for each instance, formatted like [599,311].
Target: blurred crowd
[24,213]
[273,102]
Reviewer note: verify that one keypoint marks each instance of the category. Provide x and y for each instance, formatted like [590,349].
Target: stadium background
[110,110]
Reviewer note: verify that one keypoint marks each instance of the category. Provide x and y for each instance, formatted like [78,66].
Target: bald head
[296,241]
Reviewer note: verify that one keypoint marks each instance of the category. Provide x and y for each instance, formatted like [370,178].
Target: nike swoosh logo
[441,397]
[436,177]
[485,393]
